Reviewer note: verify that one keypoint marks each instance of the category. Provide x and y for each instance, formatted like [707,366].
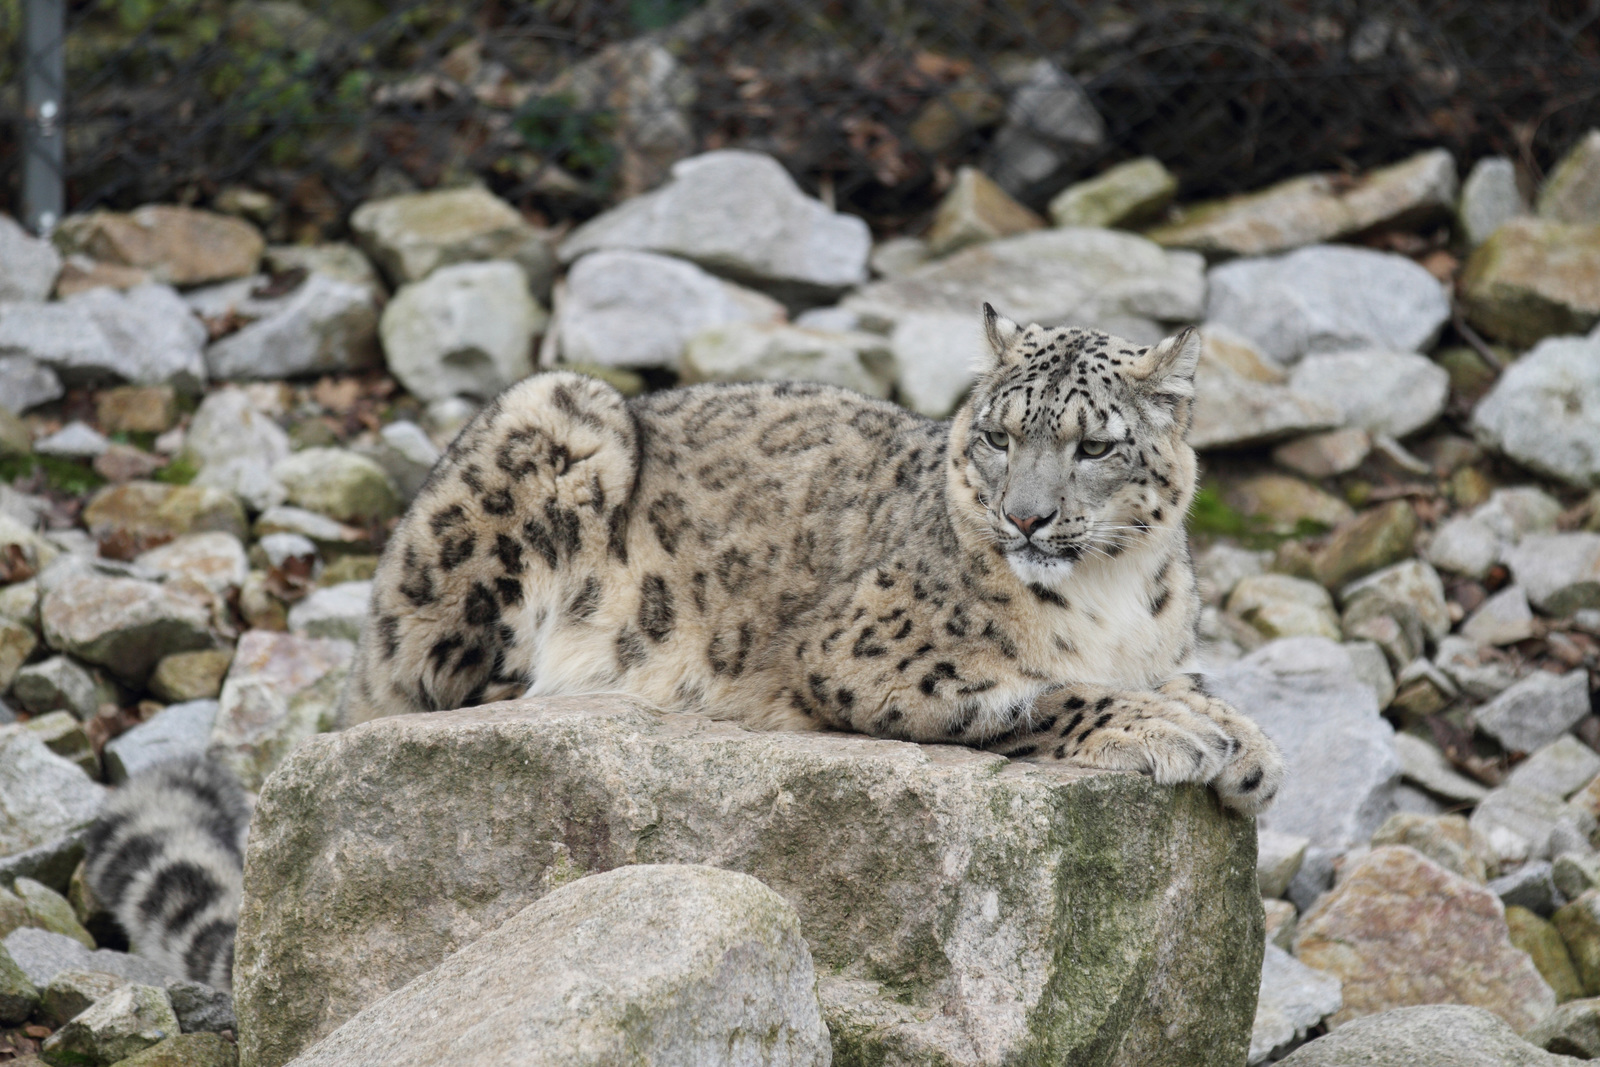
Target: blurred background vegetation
[871,103]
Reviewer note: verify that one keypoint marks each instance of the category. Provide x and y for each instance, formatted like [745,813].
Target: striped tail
[166,857]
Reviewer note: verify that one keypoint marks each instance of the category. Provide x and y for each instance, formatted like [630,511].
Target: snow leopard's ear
[1166,371]
[1001,332]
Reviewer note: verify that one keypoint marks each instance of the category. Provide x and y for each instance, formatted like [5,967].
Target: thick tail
[166,857]
[532,495]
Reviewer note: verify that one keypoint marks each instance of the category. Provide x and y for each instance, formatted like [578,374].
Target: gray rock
[280,690]
[1078,276]
[1462,545]
[215,559]
[1533,279]
[18,997]
[413,235]
[1293,999]
[42,795]
[467,329]
[1560,572]
[1560,768]
[1572,191]
[247,478]
[972,896]
[1530,886]
[75,440]
[175,731]
[1479,675]
[335,259]
[51,863]
[1544,411]
[122,624]
[1103,279]
[1502,619]
[1231,411]
[338,483]
[1317,207]
[974,210]
[1435,1035]
[1339,750]
[70,993]
[333,611]
[746,352]
[1524,824]
[1393,393]
[1222,566]
[325,326]
[226,426]
[115,1027]
[60,682]
[42,955]
[1126,193]
[1328,299]
[28,265]
[1573,1029]
[1489,198]
[696,965]
[640,309]
[327,534]
[1281,606]
[26,383]
[1372,667]
[1409,592]
[897,256]
[406,453]
[1535,711]
[199,1008]
[1575,873]
[738,214]
[150,338]
[1278,859]
[1050,126]
[1323,455]
[1425,765]
[279,548]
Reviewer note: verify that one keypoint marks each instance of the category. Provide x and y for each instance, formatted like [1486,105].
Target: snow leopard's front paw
[1249,780]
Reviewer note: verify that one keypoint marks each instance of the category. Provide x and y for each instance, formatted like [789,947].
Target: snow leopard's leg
[1177,734]
[529,500]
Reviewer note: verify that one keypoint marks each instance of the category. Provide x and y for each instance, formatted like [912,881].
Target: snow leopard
[165,857]
[795,556]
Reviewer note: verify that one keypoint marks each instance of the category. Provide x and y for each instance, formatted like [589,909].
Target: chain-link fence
[563,106]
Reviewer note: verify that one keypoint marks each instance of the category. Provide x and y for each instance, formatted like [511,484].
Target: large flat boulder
[960,908]
[654,963]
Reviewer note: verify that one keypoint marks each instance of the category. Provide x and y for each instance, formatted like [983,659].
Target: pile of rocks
[207,439]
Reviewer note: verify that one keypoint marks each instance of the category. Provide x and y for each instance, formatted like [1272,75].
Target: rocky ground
[205,440]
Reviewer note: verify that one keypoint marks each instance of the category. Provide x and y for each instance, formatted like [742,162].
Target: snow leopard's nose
[1029,523]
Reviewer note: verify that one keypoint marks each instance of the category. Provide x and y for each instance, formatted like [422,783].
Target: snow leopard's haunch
[796,556]
[165,857]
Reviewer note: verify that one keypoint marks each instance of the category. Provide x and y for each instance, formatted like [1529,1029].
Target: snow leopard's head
[1075,443]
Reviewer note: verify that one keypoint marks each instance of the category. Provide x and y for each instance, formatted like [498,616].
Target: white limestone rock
[1544,411]
[1328,298]
[1393,393]
[640,309]
[464,330]
[738,214]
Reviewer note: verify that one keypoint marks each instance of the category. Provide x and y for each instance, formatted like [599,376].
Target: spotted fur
[796,556]
[165,856]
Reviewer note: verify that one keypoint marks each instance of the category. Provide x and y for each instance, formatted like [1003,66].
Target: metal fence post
[43,176]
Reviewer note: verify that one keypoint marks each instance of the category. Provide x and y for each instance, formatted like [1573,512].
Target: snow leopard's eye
[1094,449]
[997,439]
